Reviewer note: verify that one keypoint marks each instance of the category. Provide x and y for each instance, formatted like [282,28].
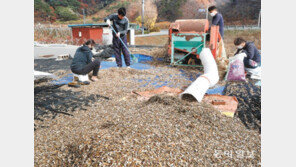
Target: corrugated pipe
[209,79]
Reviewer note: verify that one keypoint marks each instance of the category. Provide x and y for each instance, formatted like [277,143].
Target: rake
[134,58]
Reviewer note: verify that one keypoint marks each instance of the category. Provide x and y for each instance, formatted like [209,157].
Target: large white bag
[236,68]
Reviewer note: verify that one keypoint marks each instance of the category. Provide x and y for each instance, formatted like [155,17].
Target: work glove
[118,34]
[108,22]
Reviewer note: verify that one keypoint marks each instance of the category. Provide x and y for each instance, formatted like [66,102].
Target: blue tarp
[190,76]
[218,90]
[258,83]
[64,80]
[153,81]
[139,65]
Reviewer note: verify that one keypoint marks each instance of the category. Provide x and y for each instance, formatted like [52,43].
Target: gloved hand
[118,34]
[253,64]
[108,22]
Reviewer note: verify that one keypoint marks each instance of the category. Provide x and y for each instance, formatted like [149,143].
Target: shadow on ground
[51,100]
[51,65]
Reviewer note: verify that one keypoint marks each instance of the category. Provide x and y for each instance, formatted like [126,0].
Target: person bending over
[120,25]
[83,61]
[253,58]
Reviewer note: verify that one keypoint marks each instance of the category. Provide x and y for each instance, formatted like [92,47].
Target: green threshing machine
[187,38]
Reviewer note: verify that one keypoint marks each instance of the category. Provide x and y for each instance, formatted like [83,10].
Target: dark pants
[93,66]
[118,48]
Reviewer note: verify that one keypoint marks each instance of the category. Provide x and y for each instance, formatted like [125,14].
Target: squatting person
[217,19]
[83,61]
[120,25]
[253,58]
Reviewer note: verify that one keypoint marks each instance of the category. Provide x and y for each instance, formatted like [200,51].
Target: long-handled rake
[134,58]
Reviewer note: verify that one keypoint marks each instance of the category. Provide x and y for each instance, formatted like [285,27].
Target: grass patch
[152,40]
[229,36]
[163,25]
[249,35]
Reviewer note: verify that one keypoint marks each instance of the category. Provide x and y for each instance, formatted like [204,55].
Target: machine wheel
[191,61]
[167,58]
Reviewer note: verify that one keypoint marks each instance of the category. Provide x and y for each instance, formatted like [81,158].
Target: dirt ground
[104,124]
[250,35]
[153,40]
[229,36]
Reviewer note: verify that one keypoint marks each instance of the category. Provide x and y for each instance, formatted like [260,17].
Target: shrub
[118,5]
[149,22]
[168,9]
[163,25]
[95,19]
[65,14]
[154,29]
[74,4]
[41,6]
[42,9]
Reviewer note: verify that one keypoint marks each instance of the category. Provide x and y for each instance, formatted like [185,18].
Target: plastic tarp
[221,53]
[228,109]
[140,65]
[218,90]
[40,74]
[254,73]
[64,80]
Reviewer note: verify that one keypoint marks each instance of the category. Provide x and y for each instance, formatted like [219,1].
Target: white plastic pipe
[210,77]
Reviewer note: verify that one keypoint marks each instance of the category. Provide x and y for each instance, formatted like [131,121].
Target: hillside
[61,11]
[66,10]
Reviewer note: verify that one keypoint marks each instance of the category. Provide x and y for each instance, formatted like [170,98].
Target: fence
[47,34]
[244,27]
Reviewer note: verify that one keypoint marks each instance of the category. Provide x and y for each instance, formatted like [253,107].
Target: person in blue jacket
[253,59]
[217,19]
[83,61]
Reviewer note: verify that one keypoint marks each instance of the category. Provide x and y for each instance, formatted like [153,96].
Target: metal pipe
[83,16]
[207,14]
[143,5]
[259,18]
[172,51]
